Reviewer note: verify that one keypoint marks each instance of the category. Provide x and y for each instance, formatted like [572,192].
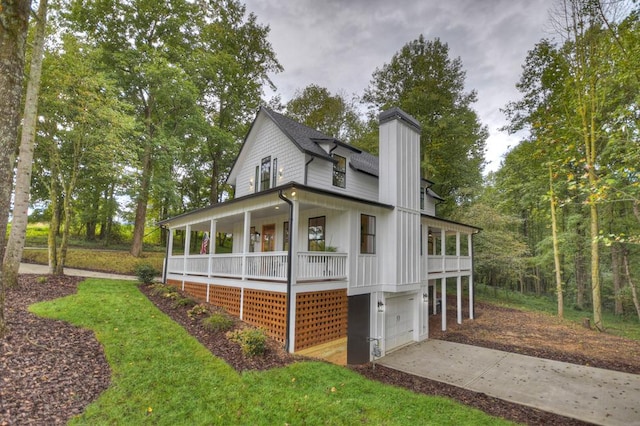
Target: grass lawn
[163,376]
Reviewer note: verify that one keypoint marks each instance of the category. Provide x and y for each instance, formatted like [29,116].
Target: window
[285,236]
[422,191]
[253,237]
[274,180]
[367,234]
[316,233]
[265,173]
[339,171]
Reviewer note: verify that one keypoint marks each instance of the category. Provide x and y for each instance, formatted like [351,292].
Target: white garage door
[398,321]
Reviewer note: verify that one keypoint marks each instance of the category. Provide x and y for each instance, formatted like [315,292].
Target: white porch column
[294,226]
[443,248]
[246,242]
[459,299]
[458,249]
[443,303]
[471,292]
[187,244]
[212,245]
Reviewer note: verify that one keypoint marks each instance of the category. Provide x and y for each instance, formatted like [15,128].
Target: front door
[269,237]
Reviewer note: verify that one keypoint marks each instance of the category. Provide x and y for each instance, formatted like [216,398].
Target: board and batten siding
[273,143]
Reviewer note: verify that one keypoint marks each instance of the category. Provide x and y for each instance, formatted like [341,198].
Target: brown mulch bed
[49,370]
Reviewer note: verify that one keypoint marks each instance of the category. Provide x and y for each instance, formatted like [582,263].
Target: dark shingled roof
[307,140]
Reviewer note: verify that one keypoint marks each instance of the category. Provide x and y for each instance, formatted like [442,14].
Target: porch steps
[334,352]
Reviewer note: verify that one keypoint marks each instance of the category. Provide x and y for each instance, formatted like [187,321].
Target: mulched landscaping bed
[49,370]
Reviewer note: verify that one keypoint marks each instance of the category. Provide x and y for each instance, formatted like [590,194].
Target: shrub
[217,322]
[41,279]
[197,310]
[253,341]
[164,290]
[146,273]
[184,301]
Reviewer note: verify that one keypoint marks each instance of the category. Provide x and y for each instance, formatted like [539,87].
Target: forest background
[134,112]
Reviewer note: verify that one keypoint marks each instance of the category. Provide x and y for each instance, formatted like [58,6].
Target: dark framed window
[317,233]
[367,234]
[274,179]
[285,236]
[265,173]
[422,191]
[339,171]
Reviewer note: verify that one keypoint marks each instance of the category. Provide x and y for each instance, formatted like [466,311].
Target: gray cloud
[338,44]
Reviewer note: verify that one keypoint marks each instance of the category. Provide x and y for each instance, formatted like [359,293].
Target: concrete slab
[589,394]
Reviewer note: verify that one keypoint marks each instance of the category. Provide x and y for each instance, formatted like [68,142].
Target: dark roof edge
[453,222]
[396,113]
[289,185]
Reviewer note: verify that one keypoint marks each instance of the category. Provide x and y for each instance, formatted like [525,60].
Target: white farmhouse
[329,243]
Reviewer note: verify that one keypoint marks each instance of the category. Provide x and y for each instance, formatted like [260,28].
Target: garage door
[398,322]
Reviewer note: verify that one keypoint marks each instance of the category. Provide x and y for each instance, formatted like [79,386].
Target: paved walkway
[32,268]
[589,394]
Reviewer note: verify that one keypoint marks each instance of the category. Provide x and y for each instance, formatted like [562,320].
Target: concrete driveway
[32,268]
[589,394]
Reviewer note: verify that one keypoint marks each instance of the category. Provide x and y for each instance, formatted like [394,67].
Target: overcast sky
[338,44]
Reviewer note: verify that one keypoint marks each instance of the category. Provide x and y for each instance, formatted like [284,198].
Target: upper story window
[422,191]
[367,234]
[316,233]
[274,178]
[265,173]
[339,171]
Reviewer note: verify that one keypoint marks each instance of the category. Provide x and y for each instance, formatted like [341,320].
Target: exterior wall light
[380,306]
[280,172]
[425,297]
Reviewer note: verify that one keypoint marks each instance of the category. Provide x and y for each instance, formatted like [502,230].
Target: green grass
[118,262]
[628,327]
[162,376]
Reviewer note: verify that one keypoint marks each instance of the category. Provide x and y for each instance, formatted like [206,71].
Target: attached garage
[399,321]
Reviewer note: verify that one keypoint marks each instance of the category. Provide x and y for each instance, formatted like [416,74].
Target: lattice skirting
[321,316]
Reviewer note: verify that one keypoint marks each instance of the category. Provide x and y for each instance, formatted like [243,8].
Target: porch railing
[261,266]
[438,264]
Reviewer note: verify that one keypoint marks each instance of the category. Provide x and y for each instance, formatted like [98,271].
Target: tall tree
[84,130]
[333,115]
[15,244]
[422,80]
[14,24]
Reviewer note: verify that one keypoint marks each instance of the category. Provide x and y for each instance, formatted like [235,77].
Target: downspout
[306,166]
[289,261]
[472,290]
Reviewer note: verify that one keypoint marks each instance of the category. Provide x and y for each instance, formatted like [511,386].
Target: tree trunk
[52,243]
[141,206]
[15,245]
[580,270]
[556,249]
[14,24]
[64,241]
[634,290]
[145,187]
[616,271]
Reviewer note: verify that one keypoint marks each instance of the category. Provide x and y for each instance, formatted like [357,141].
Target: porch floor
[334,352]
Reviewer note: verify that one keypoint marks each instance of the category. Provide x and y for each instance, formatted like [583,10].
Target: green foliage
[166,291]
[146,273]
[333,115]
[253,341]
[161,375]
[197,311]
[218,321]
[423,81]
[184,302]
[116,262]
